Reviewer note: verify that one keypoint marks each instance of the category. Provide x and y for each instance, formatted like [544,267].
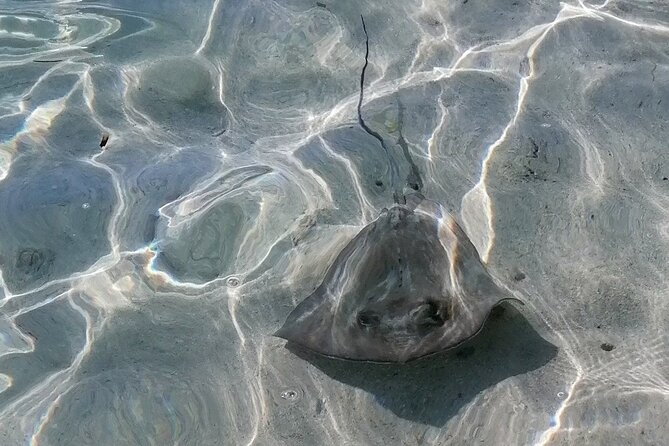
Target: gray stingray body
[410,284]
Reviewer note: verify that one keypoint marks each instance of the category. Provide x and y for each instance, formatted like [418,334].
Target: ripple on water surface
[140,282]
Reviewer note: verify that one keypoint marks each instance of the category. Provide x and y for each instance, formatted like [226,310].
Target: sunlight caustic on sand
[229,155]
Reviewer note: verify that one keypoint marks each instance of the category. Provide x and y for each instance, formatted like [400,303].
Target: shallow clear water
[141,281]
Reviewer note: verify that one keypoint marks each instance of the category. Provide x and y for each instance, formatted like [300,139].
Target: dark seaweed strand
[414,181]
[391,164]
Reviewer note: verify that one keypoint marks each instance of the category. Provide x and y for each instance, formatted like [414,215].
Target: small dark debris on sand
[607,347]
[105,139]
[321,5]
[519,276]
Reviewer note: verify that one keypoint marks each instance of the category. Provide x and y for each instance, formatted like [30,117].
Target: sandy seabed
[141,281]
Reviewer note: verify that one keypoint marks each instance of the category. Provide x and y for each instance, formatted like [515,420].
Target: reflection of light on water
[58,384]
[151,267]
[173,428]
[49,34]
[4,32]
[5,382]
[36,127]
[210,27]
[477,208]
[4,292]
[39,121]
[52,35]
[554,423]
[22,19]
[124,286]
[5,161]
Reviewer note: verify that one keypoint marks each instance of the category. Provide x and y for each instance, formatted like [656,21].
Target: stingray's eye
[368,319]
[430,314]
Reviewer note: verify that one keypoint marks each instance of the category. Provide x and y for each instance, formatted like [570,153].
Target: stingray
[408,285]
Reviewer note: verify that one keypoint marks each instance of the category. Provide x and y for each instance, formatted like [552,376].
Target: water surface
[141,281]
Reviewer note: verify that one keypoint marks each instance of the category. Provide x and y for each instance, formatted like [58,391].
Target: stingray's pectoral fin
[286,332]
[511,299]
[298,328]
[309,325]
[473,278]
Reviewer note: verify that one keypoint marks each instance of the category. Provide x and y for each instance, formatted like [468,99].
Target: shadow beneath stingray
[433,389]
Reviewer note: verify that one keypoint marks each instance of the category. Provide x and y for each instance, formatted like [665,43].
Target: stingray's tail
[392,166]
[414,180]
